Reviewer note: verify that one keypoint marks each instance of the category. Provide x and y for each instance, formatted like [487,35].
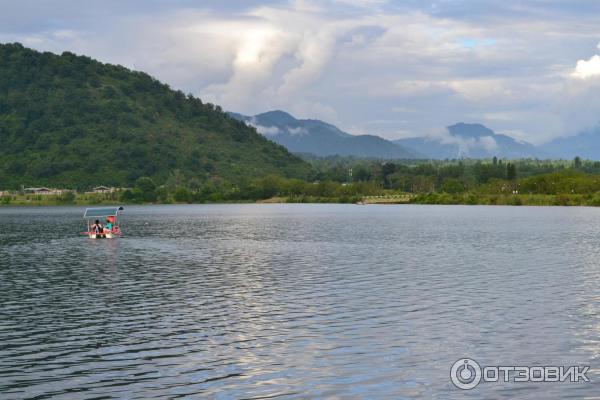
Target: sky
[529,69]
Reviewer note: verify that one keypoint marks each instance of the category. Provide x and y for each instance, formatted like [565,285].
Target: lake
[296,301]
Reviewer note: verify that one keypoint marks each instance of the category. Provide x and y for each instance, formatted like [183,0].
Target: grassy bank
[59,200]
[508,199]
[90,200]
[388,198]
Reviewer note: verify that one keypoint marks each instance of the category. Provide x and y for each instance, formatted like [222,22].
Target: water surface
[296,301]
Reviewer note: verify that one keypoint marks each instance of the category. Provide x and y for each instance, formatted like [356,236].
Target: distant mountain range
[472,141]
[322,139]
[461,140]
[585,145]
[477,141]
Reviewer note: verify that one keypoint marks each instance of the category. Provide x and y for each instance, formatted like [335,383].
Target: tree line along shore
[347,180]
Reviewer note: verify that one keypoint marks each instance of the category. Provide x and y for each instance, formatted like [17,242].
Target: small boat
[102,214]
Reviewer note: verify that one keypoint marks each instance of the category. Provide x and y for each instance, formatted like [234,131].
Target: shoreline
[571,200]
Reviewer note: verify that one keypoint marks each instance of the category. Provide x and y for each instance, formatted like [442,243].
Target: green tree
[127,196]
[453,185]
[147,189]
[67,197]
[362,174]
[511,171]
[182,195]
[162,195]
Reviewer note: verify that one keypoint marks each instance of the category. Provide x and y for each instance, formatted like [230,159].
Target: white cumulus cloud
[587,69]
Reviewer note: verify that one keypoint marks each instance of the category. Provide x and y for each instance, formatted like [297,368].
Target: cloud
[297,131]
[465,145]
[274,130]
[255,50]
[351,63]
[262,129]
[361,3]
[488,143]
[266,130]
[587,69]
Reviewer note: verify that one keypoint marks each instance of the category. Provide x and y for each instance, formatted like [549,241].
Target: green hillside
[72,121]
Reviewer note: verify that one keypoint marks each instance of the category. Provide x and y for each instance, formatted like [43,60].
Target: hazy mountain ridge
[461,140]
[585,145]
[472,141]
[323,139]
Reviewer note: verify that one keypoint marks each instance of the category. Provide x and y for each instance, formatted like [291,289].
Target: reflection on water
[296,301]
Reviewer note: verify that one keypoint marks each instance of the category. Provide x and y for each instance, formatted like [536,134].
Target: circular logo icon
[465,374]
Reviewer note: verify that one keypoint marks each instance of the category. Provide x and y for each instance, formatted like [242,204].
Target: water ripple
[295,301]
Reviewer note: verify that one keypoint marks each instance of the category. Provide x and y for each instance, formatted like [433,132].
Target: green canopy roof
[102,212]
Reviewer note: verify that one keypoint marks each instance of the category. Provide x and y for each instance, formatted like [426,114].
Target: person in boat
[97,227]
[108,227]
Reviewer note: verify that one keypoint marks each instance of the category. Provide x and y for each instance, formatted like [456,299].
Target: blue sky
[530,69]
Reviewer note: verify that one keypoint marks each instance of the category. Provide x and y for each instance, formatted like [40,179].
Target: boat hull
[102,236]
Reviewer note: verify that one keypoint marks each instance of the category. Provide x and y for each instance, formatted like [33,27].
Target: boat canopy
[102,212]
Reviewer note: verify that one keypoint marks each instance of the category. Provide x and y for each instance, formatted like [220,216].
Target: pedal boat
[102,214]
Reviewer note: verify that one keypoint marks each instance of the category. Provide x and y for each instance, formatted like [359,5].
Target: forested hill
[75,122]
